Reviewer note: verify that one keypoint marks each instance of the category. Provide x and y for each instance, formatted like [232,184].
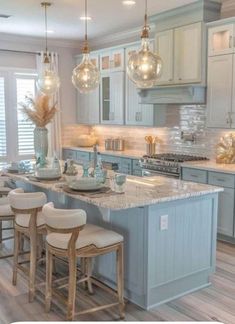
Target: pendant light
[48,81]
[86,76]
[144,67]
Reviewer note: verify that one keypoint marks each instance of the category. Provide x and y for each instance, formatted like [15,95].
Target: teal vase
[41,143]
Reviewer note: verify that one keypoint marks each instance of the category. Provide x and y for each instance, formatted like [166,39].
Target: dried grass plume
[39,111]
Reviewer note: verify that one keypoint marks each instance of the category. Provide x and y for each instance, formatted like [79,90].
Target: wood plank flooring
[216,303]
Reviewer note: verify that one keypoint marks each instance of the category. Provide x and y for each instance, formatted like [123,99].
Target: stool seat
[5,210]
[5,190]
[23,219]
[90,235]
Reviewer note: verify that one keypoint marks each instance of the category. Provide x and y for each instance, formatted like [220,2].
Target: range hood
[185,94]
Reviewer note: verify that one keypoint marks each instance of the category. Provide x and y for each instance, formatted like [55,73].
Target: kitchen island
[169,228]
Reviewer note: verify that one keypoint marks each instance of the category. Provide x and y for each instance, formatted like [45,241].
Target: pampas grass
[39,111]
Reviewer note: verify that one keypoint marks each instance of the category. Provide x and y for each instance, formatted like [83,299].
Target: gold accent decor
[225,149]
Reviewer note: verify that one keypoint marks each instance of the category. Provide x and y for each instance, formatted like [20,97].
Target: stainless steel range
[167,164]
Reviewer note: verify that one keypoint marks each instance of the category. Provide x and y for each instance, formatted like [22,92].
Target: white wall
[66,51]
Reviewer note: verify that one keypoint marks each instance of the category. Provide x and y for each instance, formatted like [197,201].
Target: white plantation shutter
[25,86]
[3,144]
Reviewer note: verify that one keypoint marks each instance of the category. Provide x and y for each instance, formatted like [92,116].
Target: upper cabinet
[188,53]
[112,60]
[221,75]
[164,46]
[88,108]
[181,53]
[136,113]
[221,40]
[112,98]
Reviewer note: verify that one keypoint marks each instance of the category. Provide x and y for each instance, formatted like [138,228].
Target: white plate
[85,184]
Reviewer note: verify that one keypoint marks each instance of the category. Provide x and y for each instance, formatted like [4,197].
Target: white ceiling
[108,16]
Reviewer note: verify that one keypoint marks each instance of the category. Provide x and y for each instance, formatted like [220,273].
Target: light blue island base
[160,265]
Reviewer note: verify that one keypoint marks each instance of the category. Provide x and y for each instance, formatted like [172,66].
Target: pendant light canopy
[48,81]
[144,67]
[86,76]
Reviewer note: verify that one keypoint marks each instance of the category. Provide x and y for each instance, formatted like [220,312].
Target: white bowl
[48,173]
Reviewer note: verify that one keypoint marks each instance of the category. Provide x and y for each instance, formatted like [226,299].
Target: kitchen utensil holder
[150,149]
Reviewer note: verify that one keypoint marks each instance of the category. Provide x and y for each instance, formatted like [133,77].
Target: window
[16,133]
[3,149]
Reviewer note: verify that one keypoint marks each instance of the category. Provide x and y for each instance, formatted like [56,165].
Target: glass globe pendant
[48,81]
[144,67]
[86,76]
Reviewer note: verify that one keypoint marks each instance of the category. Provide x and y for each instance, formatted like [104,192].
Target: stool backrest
[63,219]
[26,201]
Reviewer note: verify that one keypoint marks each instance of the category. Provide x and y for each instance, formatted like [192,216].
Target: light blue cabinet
[125,165]
[226,212]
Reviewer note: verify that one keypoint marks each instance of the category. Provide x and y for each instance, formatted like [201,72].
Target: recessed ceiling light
[129,2]
[50,31]
[85,18]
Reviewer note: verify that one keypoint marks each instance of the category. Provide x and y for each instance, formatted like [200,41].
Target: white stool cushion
[5,210]
[63,218]
[23,219]
[90,235]
[21,200]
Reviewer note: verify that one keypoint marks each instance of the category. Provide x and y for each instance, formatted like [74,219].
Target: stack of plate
[85,184]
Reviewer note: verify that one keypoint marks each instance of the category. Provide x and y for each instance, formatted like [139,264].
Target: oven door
[152,173]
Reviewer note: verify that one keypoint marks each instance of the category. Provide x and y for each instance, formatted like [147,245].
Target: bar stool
[30,222]
[6,214]
[70,237]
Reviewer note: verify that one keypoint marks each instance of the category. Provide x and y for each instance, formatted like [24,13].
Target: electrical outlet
[164,222]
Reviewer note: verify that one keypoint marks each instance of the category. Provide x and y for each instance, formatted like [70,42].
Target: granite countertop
[211,165]
[139,191]
[131,154]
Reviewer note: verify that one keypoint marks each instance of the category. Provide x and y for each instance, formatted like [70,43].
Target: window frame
[10,76]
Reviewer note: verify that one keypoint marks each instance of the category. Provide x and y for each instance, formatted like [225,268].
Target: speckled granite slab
[211,165]
[139,191]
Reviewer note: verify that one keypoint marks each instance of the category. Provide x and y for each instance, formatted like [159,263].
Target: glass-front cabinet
[112,60]
[112,98]
[221,40]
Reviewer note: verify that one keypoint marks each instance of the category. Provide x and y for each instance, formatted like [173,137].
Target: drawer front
[69,154]
[194,175]
[221,179]
[137,173]
[110,158]
[136,165]
[83,157]
[125,166]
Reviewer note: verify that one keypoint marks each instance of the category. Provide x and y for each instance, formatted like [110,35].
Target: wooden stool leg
[72,286]
[16,255]
[83,269]
[0,231]
[33,261]
[21,242]
[49,269]
[120,281]
[89,274]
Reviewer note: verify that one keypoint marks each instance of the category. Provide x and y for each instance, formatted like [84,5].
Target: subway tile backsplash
[189,119]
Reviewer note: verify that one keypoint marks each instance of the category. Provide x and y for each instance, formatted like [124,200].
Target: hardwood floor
[216,303]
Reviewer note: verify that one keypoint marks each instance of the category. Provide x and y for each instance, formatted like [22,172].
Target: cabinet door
[117,97]
[112,60]
[220,40]
[112,98]
[164,48]
[219,90]
[136,113]
[188,53]
[117,60]
[226,212]
[88,103]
